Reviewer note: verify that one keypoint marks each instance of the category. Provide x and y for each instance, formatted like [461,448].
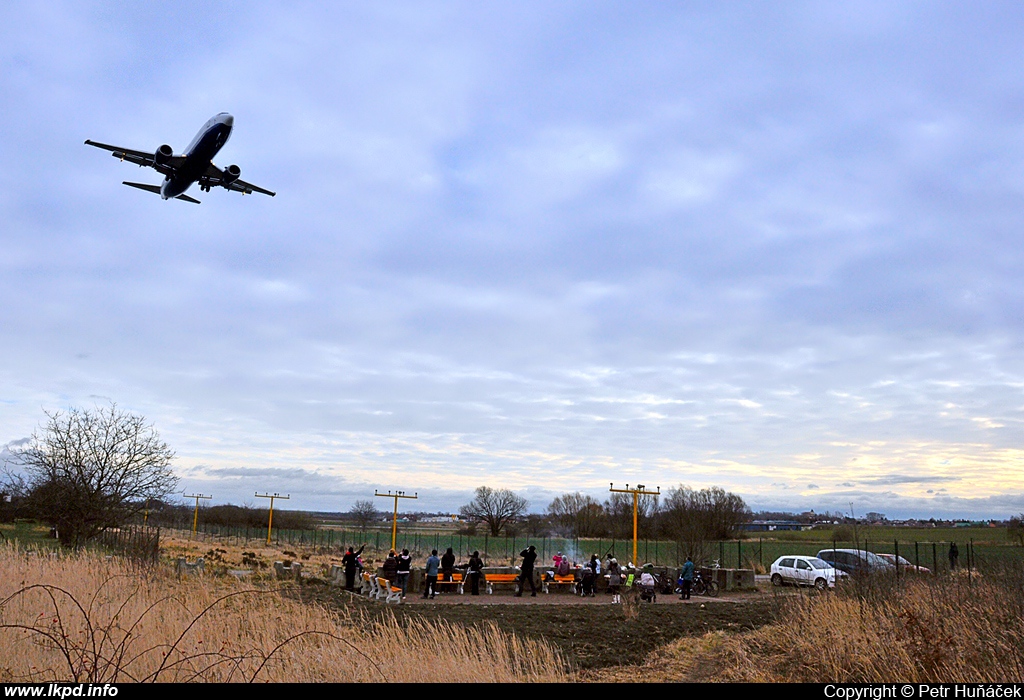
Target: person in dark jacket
[473,571]
[351,562]
[404,569]
[390,567]
[447,564]
[529,556]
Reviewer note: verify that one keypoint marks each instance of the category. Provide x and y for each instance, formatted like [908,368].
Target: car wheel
[821,584]
[776,580]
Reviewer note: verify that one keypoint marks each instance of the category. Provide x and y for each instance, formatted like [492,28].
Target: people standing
[432,566]
[351,562]
[447,565]
[403,570]
[473,570]
[529,556]
[686,577]
[954,555]
[390,567]
[614,580]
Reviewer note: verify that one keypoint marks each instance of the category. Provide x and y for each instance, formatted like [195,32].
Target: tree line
[691,517]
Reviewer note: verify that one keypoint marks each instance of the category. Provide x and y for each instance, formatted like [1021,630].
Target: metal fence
[757,554]
[134,541]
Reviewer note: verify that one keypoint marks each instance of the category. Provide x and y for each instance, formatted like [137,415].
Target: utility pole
[394,519]
[270,520]
[195,518]
[637,492]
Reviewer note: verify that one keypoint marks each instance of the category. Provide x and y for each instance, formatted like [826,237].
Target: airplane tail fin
[155,189]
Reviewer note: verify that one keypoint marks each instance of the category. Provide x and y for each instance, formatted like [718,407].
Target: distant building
[771,525]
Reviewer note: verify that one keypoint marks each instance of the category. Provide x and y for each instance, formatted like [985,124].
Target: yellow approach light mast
[637,493]
[394,518]
[270,520]
[195,517]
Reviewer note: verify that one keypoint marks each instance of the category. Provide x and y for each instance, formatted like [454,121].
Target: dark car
[856,561]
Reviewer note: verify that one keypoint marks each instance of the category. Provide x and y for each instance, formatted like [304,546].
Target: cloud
[541,251]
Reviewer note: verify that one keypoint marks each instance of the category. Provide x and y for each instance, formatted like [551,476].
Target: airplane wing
[140,158]
[215,176]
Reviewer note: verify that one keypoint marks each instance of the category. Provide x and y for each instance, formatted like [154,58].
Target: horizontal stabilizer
[155,189]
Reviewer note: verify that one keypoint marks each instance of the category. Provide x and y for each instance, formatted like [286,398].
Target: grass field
[86,618]
[950,627]
[28,535]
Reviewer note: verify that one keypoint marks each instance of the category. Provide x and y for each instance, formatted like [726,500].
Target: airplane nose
[228,119]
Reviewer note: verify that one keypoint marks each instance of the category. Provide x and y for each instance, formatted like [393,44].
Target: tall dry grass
[945,629]
[85,618]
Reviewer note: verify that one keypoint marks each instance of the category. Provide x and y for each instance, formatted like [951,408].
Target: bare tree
[619,513]
[697,518]
[364,513]
[1015,530]
[88,471]
[578,515]
[497,508]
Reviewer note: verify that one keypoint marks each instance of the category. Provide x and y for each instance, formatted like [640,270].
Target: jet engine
[231,174]
[163,154]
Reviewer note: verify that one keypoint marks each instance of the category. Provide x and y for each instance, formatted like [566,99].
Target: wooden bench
[390,593]
[500,579]
[567,580]
[369,586]
[457,582]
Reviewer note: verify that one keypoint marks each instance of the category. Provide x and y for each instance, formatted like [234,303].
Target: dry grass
[926,630]
[85,618]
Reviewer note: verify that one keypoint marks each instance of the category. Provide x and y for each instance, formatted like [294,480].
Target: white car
[805,571]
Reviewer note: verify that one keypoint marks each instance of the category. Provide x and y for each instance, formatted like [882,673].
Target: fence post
[739,555]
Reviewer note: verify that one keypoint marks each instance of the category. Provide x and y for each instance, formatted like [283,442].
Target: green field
[29,535]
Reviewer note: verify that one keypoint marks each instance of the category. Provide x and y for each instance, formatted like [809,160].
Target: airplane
[194,165]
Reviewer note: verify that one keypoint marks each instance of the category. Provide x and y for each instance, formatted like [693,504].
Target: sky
[772,247]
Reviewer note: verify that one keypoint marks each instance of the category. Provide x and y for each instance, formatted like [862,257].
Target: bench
[566,580]
[457,582]
[369,586]
[390,593]
[500,579]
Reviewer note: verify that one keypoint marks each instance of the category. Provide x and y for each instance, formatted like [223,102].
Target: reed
[952,629]
[81,617]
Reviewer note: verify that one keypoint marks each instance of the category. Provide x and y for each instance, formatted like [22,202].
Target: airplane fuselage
[195,164]
[210,139]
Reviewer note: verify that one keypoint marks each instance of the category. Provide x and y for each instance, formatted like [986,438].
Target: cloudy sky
[774,247]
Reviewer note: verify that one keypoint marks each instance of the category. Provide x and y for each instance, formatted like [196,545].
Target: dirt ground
[592,633]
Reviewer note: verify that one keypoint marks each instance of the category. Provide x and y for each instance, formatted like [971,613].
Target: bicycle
[701,587]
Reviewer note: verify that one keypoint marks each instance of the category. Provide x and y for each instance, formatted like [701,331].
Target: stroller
[648,587]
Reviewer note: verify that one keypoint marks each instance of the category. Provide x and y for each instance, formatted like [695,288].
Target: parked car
[856,561]
[805,571]
[904,564]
